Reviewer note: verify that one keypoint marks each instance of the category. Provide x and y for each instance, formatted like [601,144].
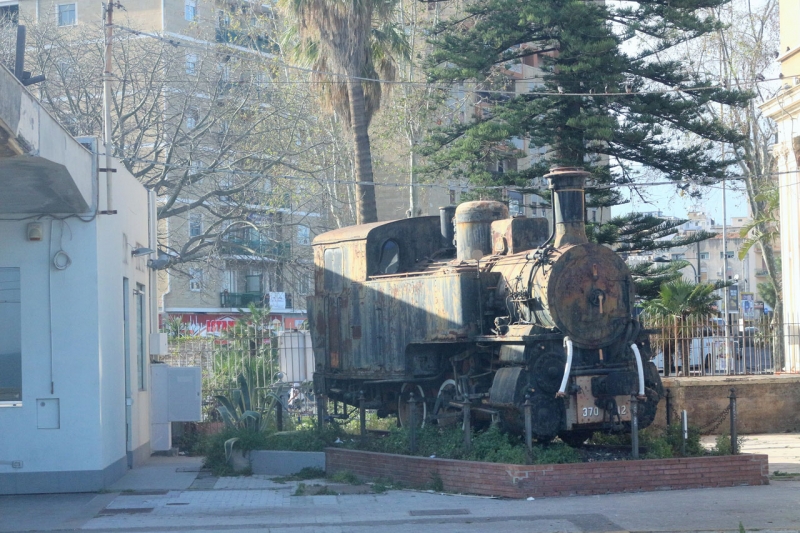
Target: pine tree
[606,67]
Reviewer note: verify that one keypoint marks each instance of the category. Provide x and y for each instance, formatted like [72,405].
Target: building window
[10,338]
[189,10]
[303,235]
[703,255]
[196,279]
[515,206]
[67,14]
[191,64]
[304,284]
[195,224]
[678,257]
[191,119]
[730,254]
[9,14]
[141,326]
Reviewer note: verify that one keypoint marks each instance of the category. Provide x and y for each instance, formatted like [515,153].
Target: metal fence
[693,346]
[275,364]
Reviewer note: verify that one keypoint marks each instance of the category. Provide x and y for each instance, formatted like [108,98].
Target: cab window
[390,258]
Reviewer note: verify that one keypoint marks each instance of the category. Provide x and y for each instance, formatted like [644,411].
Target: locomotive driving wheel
[447,415]
[647,408]
[404,408]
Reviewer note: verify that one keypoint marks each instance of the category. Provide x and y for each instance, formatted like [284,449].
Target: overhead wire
[247,55]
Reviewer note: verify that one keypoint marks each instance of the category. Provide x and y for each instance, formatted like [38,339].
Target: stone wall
[765,404]
[522,481]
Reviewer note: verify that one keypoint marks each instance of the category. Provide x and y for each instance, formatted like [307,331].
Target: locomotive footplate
[588,412]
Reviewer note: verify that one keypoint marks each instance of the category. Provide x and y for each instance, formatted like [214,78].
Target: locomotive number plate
[589,413]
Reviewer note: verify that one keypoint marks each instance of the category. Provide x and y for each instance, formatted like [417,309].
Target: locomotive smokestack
[567,184]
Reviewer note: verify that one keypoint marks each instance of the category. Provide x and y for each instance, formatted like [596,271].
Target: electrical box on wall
[48,413]
[158,344]
[34,231]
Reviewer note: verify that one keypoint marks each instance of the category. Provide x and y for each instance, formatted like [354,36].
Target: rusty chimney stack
[567,184]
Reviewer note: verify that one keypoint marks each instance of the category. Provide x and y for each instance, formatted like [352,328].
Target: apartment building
[707,263]
[249,247]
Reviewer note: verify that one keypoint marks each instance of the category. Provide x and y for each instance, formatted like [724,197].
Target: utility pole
[108,10]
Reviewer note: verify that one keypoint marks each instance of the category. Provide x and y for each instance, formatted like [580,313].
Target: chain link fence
[279,363]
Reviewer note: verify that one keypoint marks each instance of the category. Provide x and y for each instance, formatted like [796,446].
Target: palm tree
[677,302]
[347,42]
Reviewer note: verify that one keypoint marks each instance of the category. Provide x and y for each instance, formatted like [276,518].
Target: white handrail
[639,367]
[567,368]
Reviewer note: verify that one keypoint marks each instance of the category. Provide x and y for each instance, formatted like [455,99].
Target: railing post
[467,418]
[279,413]
[527,408]
[362,413]
[320,411]
[412,423]
[734,436]
[668,406]
[634,426]
[684,431]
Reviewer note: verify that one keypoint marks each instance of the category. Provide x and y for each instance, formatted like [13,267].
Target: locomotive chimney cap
[559,177]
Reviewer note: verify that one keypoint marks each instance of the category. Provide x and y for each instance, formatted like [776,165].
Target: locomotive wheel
[547,417]
[404,409]
[547,372]
[448,392]
[575,438]
[647,409]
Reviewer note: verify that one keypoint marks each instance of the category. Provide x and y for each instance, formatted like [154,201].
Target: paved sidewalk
[169,494]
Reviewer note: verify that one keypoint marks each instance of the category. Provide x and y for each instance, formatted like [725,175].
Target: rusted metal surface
[568,204]
[474,228]
[519,234]
[508,387]
[587,410]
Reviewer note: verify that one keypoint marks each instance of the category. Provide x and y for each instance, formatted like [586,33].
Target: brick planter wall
[521,481]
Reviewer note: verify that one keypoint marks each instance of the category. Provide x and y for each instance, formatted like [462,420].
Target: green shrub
[344,476]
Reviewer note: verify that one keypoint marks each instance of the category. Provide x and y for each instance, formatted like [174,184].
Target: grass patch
[344,476]
[491,445]
[309,472]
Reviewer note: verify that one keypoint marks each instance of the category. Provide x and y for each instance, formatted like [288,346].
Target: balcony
[246,39]
[238,244]
[242,300]
[761,273]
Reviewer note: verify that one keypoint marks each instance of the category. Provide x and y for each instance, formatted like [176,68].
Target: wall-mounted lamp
[138,252]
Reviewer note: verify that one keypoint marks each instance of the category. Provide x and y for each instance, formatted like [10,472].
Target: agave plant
[237,411]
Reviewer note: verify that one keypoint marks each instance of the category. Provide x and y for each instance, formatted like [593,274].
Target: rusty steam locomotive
[513,311]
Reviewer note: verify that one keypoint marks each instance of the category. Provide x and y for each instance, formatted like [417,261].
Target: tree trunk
[365,190]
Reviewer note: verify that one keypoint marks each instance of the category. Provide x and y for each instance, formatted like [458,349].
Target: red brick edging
[521,481]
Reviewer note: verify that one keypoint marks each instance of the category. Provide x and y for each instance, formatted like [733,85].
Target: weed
[723,445]
[300,490]
[309,472]
[379,488]
[741,528]
[344,476]
[436,483]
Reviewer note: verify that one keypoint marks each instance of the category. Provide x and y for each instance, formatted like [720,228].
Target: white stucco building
[784,109]
[75,308]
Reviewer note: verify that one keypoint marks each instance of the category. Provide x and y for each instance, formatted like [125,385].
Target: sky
[665,198]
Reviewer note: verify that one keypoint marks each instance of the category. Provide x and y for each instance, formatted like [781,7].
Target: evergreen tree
[612,100]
